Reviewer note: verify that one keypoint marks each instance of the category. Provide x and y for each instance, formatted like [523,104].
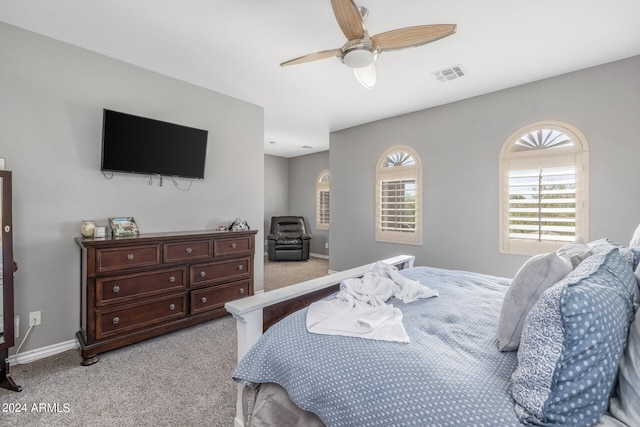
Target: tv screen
[146,146]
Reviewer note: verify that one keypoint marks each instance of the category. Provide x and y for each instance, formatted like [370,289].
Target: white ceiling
[235,47]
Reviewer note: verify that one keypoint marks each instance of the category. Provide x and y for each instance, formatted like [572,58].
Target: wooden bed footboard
[257,313]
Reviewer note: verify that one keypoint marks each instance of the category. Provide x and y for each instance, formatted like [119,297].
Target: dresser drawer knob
[233,246]
[116,320]
[116,289]
[130,257]
[242,290]
[172,307]
[189,250]
[202,274]
[203,300]
[172,279]
[240,267]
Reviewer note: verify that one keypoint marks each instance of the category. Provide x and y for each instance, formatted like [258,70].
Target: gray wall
[459,145]
[303,173]
[51,100]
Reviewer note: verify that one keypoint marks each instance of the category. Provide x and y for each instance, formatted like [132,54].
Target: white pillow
[635,240]
[576,251]
[538,274]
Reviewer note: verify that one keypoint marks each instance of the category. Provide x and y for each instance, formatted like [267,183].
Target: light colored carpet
[179,379]
[283,273]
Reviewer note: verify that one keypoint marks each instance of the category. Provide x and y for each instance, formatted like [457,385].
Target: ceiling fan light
[366,76]
[358,58]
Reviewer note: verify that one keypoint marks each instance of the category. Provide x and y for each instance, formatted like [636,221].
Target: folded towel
[334,317]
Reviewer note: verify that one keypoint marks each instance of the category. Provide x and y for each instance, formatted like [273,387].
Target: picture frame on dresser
[123,226]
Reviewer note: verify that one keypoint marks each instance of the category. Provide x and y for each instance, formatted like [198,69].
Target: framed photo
[123,226]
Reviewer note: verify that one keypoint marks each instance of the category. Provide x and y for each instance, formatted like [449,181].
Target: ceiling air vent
[450,73]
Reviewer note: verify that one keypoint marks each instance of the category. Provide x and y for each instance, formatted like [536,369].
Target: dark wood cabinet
[139,287]
[7,268]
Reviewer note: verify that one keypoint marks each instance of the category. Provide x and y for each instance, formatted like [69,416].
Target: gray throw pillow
[535,276]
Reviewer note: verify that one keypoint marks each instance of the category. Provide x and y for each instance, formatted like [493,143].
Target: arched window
[398,198]
[544,187]
[322,200]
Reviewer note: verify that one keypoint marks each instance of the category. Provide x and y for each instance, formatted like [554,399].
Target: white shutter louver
[398,205]
[323,207]
[542,204]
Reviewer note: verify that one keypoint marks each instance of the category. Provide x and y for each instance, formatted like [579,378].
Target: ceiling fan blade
[412,36]
[349,18]
[366,75]
[312,57]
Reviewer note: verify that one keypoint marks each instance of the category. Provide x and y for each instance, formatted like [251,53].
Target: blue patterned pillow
[572,343]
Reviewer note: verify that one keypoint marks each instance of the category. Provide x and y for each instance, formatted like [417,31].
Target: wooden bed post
[251,320]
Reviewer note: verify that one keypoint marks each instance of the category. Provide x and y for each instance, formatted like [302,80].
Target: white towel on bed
[360,309]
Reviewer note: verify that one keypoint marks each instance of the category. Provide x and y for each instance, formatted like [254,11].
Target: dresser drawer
[215,297]
[219,272]
[130,287]
[198,250]
[233,246]
[131,317]
[129,257]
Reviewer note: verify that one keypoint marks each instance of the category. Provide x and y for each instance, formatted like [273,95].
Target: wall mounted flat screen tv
[146,146]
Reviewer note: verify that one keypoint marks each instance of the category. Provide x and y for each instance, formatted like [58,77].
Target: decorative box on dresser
[138,287]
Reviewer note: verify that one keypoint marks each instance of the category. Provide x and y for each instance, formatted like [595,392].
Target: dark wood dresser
[135,288]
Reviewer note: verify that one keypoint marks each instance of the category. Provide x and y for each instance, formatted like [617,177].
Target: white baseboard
[310,254]
[319,256]
[41,353]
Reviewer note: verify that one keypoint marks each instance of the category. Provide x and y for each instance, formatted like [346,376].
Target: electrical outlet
[16,325]
[34,318]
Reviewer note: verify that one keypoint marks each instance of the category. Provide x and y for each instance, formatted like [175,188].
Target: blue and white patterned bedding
[450,374]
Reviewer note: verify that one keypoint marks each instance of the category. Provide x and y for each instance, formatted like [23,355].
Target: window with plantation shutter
[542,204]
[322,200]
[398,205]
[398,177]
[544,181]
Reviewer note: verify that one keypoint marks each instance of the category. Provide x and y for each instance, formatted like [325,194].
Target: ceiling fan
[360,51]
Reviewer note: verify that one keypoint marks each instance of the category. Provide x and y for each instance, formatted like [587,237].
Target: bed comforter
[450,374]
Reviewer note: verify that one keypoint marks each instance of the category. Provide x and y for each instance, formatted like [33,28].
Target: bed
[548,347]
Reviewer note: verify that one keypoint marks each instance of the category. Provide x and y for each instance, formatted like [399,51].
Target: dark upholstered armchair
[288,239]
